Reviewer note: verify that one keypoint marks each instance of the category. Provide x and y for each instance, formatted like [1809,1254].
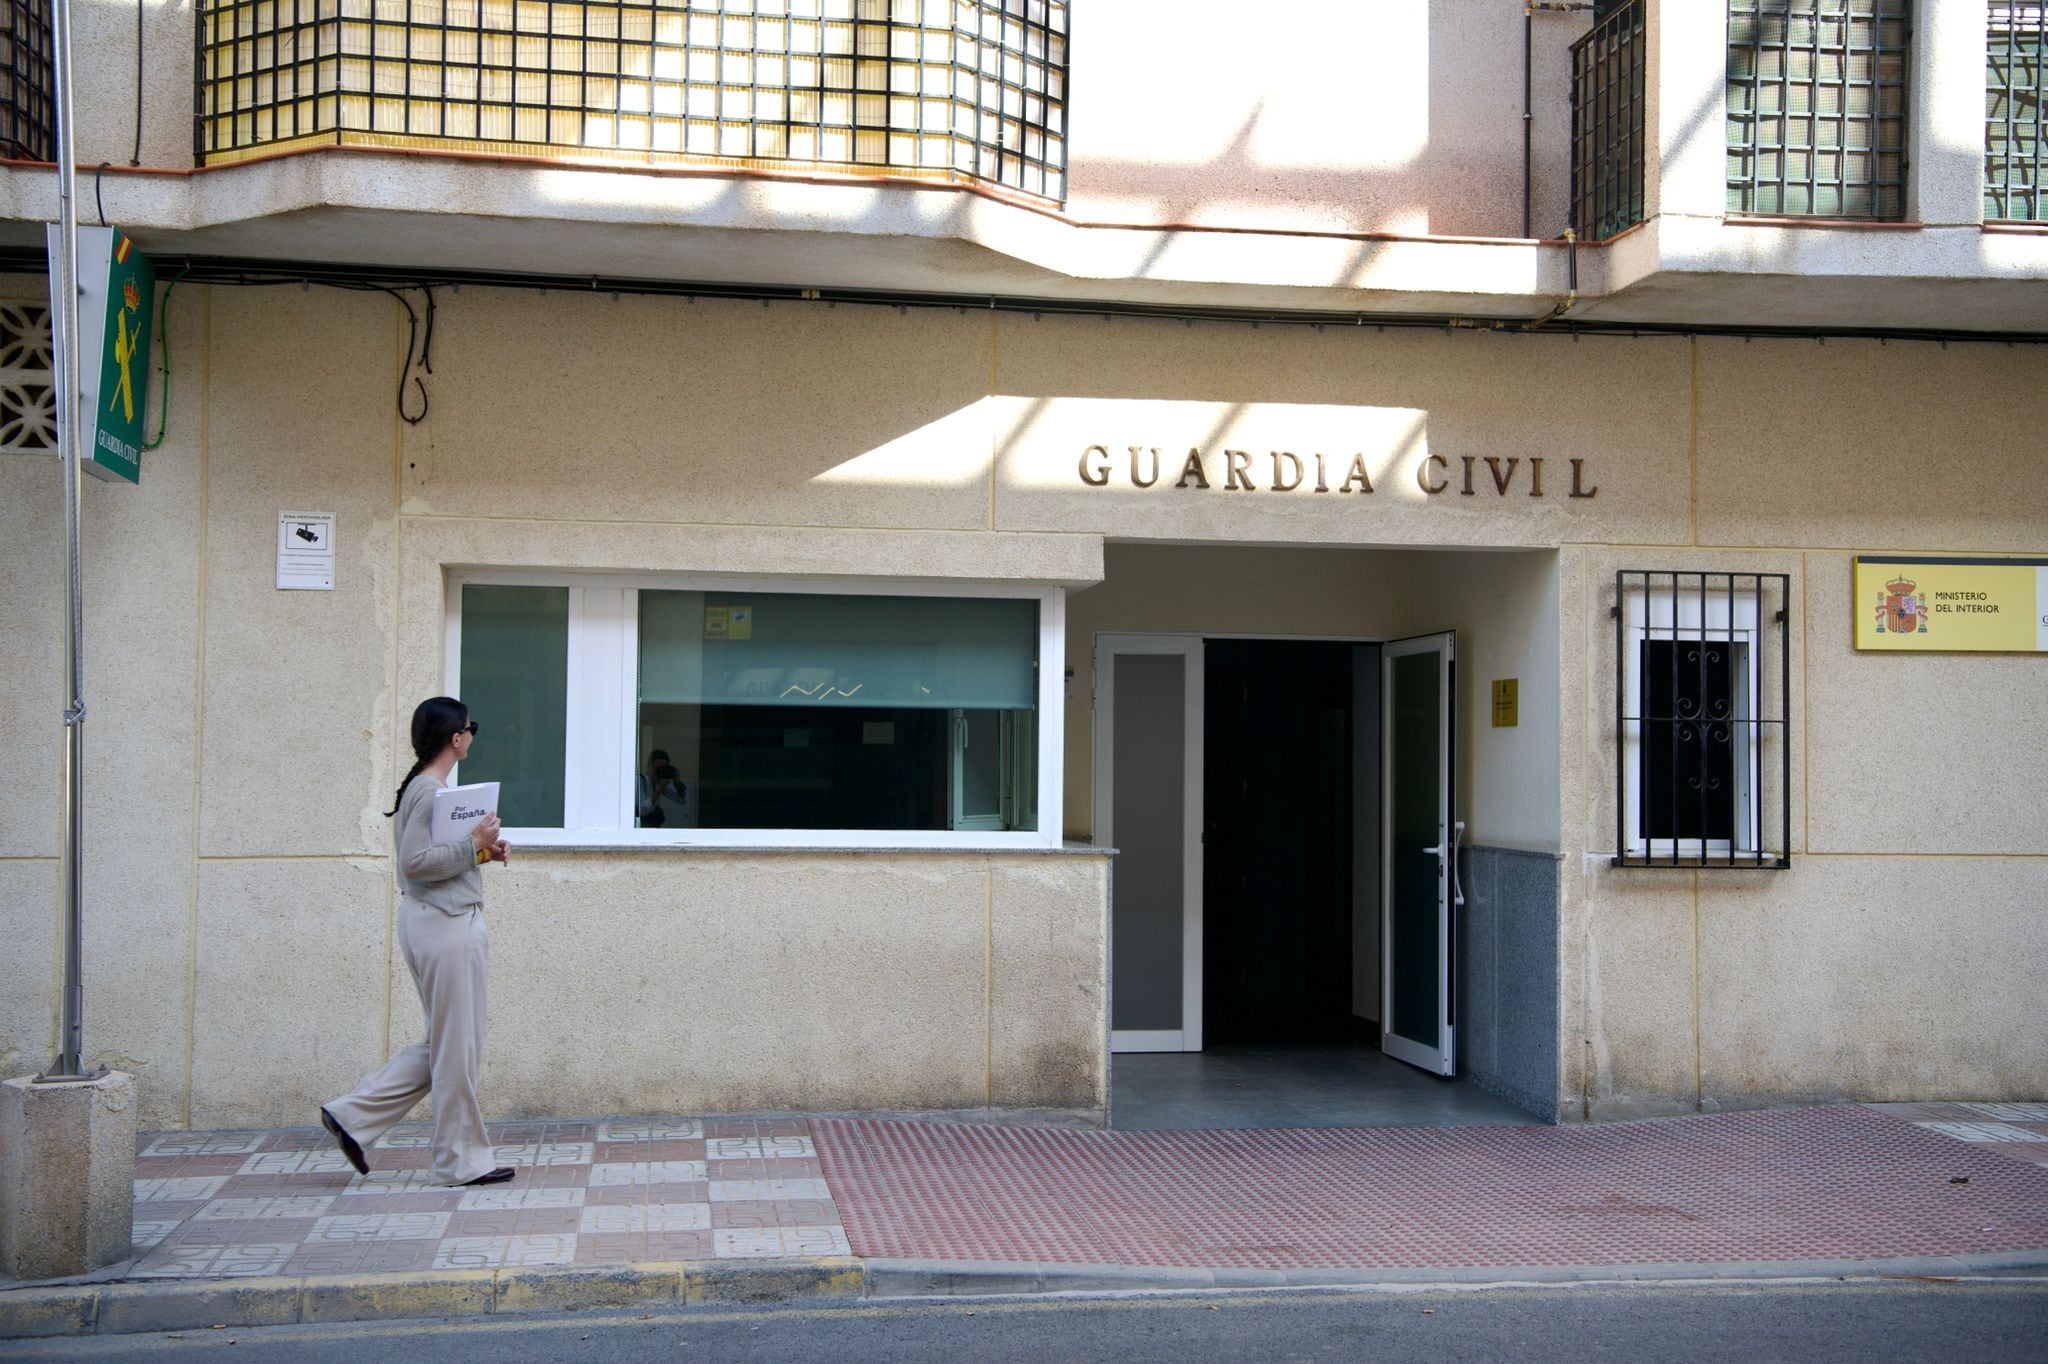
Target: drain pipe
[1571,297]
[1529,11]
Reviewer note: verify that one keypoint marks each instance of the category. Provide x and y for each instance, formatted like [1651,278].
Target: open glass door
[1420,866]
[1148,805]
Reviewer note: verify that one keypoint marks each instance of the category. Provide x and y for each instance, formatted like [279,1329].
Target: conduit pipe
[1529,13]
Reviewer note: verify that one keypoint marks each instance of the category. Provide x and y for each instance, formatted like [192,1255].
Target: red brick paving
[1786,1184]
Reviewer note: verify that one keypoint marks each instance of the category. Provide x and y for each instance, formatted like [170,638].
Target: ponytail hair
[435,723]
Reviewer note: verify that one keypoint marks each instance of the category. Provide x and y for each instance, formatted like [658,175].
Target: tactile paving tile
[1787,1184]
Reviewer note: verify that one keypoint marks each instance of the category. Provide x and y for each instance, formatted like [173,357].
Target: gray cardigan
[444,875]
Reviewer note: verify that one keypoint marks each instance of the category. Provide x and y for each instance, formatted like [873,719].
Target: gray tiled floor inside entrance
[1348,1086]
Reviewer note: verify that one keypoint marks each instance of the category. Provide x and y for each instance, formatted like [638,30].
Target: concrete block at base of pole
[67,1175]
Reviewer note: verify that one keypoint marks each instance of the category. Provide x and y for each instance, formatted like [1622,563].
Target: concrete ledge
[32,1312]
[733,1281]
[170,1305]
[164,1305]
[957,1278]
[385,1297]
[567,1290]
[126,1308]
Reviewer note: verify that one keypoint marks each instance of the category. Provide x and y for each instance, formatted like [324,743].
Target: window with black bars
[2015,114]
[1607,122]
[1817,107]
[953,89]
[28,108]
[1702,734]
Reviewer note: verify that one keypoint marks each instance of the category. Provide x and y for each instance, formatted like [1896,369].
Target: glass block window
[1817,107]
[967,89]
[2015,119]
[28,108]
[28,387]
[1607,122]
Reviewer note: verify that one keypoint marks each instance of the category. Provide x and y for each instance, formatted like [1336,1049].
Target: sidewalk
[257,1227]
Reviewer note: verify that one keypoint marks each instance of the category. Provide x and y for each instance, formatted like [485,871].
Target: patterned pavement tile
[258,1209]
[185,1188]
[1985,1131]
[759,1148]
[2011,1112]
[647,1172]
[542,1153]
[189,1144]
[221,1204]
[396,1226]
[494,1197]
[329,1161]
[644,1217]
[723,1190]
[651,1129]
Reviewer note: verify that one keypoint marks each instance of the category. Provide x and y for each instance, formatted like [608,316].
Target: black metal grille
[1702,734]
[28,102]
[1607,123]
[1817,107]
[972,89]
[2016,114]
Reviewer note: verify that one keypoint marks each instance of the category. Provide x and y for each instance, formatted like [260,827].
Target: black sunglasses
[469,729]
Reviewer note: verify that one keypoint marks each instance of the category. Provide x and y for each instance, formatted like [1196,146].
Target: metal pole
[69,1064]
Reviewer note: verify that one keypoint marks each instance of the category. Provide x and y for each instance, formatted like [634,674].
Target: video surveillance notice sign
[305,551]
[116,307]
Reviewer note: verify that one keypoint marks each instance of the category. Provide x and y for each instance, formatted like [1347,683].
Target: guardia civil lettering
[1285,471]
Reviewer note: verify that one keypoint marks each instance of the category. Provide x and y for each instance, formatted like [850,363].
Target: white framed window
[666,711]
[1691,731]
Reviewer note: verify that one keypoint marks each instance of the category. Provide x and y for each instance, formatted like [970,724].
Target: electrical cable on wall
[419,340]
[163,348]
[136,159]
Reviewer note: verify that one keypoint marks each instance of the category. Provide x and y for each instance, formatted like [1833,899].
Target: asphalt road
[2004,1320]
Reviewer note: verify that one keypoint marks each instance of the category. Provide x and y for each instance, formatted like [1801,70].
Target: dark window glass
[515,681]
[1690,723]
[788,711]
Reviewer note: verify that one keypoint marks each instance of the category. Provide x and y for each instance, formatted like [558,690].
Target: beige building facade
[1272,381]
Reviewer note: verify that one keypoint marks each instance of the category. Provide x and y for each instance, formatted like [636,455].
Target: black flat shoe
[347,1143]
[497,1176]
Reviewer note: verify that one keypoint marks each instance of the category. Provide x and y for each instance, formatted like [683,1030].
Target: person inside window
[647,790]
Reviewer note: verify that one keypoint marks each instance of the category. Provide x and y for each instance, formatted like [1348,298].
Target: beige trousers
[450,956]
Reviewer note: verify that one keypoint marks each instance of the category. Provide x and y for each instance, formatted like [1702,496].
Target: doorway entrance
[1287,856]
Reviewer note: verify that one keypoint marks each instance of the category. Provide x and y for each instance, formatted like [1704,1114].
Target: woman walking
[447,947]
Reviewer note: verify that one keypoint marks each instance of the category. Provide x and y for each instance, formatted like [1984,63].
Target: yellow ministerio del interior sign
[1951,605]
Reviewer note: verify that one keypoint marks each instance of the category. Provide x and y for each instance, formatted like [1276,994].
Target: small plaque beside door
[1505,702]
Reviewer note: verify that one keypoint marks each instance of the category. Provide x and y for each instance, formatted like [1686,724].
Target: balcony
[946,90]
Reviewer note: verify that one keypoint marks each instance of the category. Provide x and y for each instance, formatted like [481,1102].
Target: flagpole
[70,1043]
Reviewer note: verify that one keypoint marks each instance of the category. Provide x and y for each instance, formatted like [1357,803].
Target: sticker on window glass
[718,622]
[739,622]
[878,731]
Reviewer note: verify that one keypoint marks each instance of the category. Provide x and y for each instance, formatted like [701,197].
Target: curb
[132,1306]
[957,1278]
[169,1305]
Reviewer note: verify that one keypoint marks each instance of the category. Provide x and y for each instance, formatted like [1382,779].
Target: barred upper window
[2015,114]
[28,105]
[1817,107]
[953,89]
